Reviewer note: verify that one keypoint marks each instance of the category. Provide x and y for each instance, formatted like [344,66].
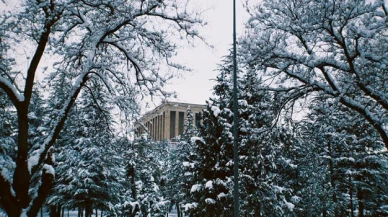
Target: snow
[289,205]
[155,187]
[49,169]
[186,164]
[195,188]
[133,205]
[295,199]
[32,115]
[190,206]
[6,175]
[346,159]
[10,86]
[216,110]
[243,103]
[230,163]
[209,185]
[33,160]
[279,189]
[194,139]
[162,204]
[210,201]
[221,195]
[24,213]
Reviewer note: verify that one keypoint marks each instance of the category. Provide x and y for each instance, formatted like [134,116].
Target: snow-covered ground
[73,213]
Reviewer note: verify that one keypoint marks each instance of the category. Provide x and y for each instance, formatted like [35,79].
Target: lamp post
[236,199]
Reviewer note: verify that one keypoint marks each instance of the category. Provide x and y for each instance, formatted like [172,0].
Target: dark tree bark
[53,211]
[45,188]
[178,209]
[258,210]
[332,181]
[88,209]
[351,196]
[22,175]
[360,198]
[45,16]
[59,211]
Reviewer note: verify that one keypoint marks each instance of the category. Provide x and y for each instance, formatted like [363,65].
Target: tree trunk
[59,209]
[89,209]
[360,199]
[331,170]
[45,187]
[53,211]
[258,210]
[178,209]
[21,178]
[351,196]
[8,201]
[133,185]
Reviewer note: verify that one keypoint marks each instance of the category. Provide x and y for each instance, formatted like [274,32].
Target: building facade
[167,121]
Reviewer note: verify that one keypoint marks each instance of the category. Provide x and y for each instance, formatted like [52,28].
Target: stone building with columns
[167,121]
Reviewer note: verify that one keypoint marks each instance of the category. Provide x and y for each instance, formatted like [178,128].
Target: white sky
[195,86]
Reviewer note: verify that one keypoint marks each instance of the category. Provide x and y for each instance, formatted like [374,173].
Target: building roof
[171,104]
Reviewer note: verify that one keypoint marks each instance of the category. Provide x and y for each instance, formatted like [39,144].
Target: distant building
[167,121]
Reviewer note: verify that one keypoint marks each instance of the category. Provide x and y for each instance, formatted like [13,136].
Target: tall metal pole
[236,197]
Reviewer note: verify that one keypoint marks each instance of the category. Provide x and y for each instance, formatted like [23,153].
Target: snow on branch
[38,156]
[49,169]
[11,91]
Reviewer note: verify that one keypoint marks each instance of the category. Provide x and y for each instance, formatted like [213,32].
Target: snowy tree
[336,48]
[145,163]
[212,166]
[178,177]
[88,166]
[349,158]
[122,44]
[7,136]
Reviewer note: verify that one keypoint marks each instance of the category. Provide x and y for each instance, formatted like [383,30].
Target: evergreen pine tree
[179,179]
[89,167]
[261,191]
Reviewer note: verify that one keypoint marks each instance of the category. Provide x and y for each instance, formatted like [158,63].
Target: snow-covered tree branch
[339,49]
[122,44]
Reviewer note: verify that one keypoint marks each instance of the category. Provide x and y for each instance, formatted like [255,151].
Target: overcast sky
[195,86]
